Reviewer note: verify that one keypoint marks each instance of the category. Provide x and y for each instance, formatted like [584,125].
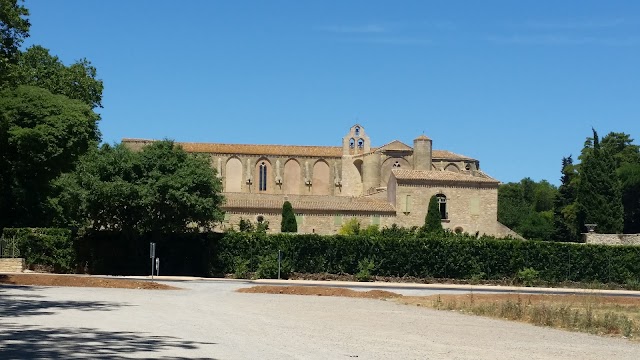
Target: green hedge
[44,246]
[447,256]
[439,256]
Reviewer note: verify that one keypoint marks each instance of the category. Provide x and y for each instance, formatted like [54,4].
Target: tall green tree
[289,223]
[160,189]
[432,221]
[629,175]
[564,212]
[78,81]
[525,207]
[42,135]
[14,28]
[598,195]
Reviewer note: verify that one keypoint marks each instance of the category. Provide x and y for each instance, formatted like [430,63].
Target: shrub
[365,267]
[241,269]
[268,267]
[289,223]
[528,276]
[351,227]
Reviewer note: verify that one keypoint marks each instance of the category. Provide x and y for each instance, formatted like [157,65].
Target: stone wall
[11,265]
[470,209]
[612,239]
[323,224]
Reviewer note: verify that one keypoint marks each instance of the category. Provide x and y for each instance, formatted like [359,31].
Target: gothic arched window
[357,131]
[442,204]
[352,143]
[360,143]
[262,184]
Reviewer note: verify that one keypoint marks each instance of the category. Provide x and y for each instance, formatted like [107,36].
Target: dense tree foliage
[527,208]
[289,223]
[598,196]
[14,28]
[37,67]
[564,214]
[41,136]
[432,221]
[157,190]
[46,119]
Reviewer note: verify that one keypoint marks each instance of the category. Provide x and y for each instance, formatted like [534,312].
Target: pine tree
[564,217]
[289,223]
[432,222]
[598,195]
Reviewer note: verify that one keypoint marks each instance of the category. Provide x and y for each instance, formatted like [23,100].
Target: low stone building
[328,185]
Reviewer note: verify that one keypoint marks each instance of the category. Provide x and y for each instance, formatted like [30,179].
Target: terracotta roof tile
[436,175]
[284,150]
[395,145]
[448,155]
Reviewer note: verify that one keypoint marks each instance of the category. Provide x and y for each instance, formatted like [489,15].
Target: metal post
[279,262]
[152,255]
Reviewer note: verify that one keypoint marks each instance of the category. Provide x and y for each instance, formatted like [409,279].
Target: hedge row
[48,247]
[446,256]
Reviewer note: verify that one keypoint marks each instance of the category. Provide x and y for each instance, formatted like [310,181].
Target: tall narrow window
[352,143]
[262,184]
[357,131]
[360,143]
[442,203]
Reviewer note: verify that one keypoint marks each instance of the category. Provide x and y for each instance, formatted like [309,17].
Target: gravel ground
[208,320]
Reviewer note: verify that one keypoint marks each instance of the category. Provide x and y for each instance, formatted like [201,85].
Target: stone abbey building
[329,185]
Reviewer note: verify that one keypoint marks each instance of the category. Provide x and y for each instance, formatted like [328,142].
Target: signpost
[152,255]
[157,266]
[279,262]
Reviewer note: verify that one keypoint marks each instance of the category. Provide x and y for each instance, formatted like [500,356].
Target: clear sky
[517,85]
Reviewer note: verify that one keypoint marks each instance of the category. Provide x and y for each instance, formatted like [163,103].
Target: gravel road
[208,320]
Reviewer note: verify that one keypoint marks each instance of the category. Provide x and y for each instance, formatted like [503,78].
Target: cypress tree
[598,195]
[289,223]
[564,217]
[432,222]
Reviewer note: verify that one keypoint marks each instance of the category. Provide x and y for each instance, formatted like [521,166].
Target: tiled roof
[448,155]
[422,137]
[285,150]
[329,204]
[436,175]
[395,145]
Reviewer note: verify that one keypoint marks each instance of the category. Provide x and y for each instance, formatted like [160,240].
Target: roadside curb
[403,286]
[374,285]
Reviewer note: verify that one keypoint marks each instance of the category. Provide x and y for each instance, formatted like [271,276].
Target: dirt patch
[320,291]
[80,281]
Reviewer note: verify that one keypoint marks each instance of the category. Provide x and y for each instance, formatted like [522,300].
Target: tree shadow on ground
[31,342]
[29,303]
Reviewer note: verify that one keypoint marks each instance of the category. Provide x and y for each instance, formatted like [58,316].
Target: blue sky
[517,85]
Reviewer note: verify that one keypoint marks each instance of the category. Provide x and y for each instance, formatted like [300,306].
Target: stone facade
[11,265]
[328,185]
[612,239]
